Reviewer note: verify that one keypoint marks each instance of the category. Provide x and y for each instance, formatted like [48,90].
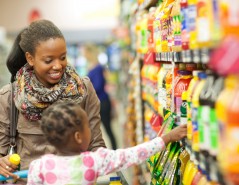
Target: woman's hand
[176,134]
[6,168]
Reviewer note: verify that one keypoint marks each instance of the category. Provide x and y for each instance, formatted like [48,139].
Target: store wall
[85,16]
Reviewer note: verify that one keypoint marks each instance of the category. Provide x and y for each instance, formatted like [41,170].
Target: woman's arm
[92,108]
[4,119]
[5,165]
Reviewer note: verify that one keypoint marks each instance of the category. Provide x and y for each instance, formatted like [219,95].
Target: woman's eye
[63,58]
[48,61]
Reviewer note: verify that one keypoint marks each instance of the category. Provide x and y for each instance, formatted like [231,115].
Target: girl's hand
[6,167]
[176,134]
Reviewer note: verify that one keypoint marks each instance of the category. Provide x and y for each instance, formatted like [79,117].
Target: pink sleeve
[34,173]
[109,161]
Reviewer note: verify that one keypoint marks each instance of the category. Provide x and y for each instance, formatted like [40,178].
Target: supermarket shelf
[196,56]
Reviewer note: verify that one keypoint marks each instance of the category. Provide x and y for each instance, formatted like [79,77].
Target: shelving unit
[206,165]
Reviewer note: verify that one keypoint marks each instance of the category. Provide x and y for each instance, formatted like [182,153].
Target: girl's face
[49,61]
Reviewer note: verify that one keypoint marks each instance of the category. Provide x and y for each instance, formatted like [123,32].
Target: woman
[41,77]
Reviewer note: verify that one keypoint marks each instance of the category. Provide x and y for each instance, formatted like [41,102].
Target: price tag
[188,56]
[196,56]
[157,57]
[183,56]
[205,56]
[170,57]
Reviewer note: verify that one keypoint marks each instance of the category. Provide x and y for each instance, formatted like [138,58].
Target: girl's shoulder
[62,161]
[80,157]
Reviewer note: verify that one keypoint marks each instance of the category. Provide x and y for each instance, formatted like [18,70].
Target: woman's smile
[55,75]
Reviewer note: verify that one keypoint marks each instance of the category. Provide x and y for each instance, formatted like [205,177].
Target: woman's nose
[57,65]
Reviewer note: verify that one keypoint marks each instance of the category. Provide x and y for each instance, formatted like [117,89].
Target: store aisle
[118,130]
[117,127]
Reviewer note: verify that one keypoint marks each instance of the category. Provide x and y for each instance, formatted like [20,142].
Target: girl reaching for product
[66,127]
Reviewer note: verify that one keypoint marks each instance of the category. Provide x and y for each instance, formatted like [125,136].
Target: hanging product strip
[190,76]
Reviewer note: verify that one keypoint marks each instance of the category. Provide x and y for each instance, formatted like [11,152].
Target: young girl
[66,127]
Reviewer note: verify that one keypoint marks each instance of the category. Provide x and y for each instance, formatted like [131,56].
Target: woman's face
[49,61]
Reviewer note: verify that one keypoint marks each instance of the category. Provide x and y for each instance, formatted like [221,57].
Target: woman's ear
[78,138]
[29,58]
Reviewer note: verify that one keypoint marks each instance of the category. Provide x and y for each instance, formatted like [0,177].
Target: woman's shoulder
[5,89]
[87,83]
[4,94]
[4,103]
[85,79]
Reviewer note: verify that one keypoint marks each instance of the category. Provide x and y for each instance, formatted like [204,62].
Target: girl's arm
[109,161]
[114,160]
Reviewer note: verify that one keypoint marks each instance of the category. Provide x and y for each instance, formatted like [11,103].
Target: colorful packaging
[172,158]
[188,168]
[143,34]
[181,84]
[184,158]
[165,19]
[204,112]
[176,25]
[168,84]
[195,104]
[204,23]
[190,91]
[150,23]
[185,28]
[183,109]
[213,122]
[227,155]
[229,10]
[217,30]
[192,16]
[115,181]
[157,27]
[162,93]
[230,143]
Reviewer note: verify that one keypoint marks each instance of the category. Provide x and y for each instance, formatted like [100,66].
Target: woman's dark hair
[60,120]
[27,41]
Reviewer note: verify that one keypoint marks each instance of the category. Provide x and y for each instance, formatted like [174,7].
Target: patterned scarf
[32,97]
